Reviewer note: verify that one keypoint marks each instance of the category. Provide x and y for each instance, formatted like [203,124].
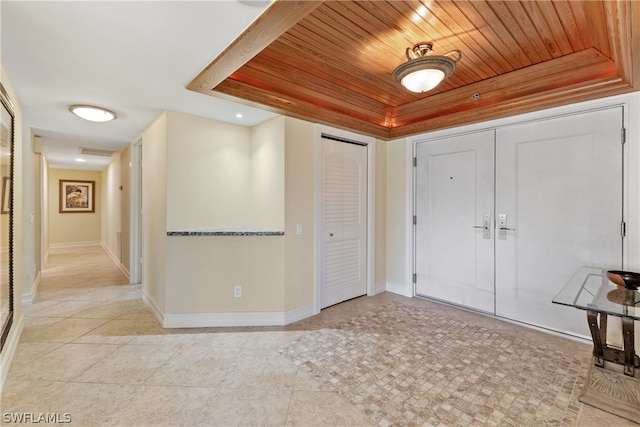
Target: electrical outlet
[237,291]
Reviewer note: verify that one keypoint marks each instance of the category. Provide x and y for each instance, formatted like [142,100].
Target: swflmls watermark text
[36,417]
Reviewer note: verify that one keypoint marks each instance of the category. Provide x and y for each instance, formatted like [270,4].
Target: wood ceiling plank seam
[270,76]
[530,29]
[517,33]
[364,62]
[548,12]
[492,39]
[350,54]
[353,78]
[342,19]
[334,37]
[300,109]
[573,29]
[545,34]
[423,30]
[470,46]
[410,37]
[539,101]
[566,68]
[280,16]
[442,44]
[345,25]
[503,38]
[598,24]
[351,67]
[484,47]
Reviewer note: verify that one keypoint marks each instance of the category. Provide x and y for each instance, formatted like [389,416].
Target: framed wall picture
[77,196]
[6,192]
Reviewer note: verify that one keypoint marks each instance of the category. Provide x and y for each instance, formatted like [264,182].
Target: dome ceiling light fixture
[92,113]
[423,71]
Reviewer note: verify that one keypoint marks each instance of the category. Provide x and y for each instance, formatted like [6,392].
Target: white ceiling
[133,58]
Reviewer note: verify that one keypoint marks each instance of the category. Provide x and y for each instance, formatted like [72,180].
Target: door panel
[453,194]
[558,198]
[344,221]
[559,183]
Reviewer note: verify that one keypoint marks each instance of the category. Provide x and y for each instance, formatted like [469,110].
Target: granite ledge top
[230,231]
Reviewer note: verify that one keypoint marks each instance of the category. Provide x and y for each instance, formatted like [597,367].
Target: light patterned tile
[322,408]
[162,406]
[264,367]
[253,406]
[129,364]
[401,365]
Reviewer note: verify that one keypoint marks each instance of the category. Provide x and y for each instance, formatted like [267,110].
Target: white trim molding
[54,246]
[115,259]
[28,298]
[205,320]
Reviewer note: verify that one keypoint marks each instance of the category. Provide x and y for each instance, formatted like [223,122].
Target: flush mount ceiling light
[93,114]
[422,71]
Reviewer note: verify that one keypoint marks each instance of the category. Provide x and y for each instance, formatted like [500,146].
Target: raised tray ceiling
[331,61]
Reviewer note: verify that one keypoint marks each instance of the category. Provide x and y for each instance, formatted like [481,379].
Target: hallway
[91,353]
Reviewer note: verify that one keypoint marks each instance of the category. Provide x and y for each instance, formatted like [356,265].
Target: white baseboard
[115,260]
[379,288]
[53,246]
[153,306]
[28,298]
[207,320]
[9,350]
[299,313]
[400,289]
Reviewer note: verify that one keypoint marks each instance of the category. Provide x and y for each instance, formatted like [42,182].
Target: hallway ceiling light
[93,114]
[422,71]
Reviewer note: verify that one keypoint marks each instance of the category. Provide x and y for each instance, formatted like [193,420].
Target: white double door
[505,217]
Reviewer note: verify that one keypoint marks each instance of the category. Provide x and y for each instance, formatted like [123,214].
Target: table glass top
[589,289]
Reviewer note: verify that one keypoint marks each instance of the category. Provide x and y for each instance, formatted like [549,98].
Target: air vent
[96,152]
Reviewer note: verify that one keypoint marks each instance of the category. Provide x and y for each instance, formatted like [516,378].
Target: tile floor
[92,353]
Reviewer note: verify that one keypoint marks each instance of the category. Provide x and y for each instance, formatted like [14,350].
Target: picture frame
[6,192]
[77,196]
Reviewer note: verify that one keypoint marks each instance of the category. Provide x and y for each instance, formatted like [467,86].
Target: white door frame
[369,142]
[631,116]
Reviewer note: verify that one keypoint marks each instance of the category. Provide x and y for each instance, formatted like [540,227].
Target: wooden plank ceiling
[331,61]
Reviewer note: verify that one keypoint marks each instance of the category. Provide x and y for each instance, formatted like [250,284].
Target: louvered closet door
[344,221]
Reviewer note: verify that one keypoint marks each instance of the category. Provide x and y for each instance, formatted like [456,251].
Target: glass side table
[612,382]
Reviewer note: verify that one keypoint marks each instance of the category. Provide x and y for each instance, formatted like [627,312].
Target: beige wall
[154,207]
[243,169]
[115,212]
[299,251]
[204,270]
[208,173]
[269,178]
[77,227]
[267,174]
[397,210]
[380,281]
